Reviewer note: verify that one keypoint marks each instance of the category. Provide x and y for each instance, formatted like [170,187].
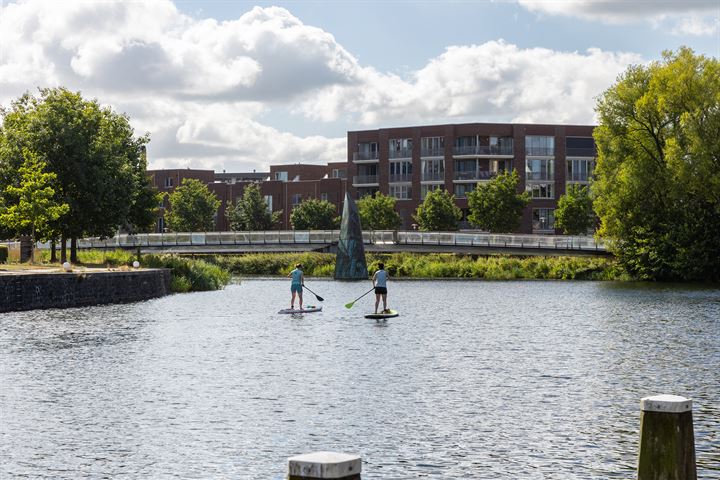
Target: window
[424,189]
[462,189]
[168,182]
[282,176]
[401,192]
[539,169]
[433,170]
[543,219]
[580,170]
[501,145]
[539,145]
[339,173]
[541,190]
[580,147]
[368,149]
[400,147]
[432,146]
[268,201]
[296,198]
[400,171]
[324,196]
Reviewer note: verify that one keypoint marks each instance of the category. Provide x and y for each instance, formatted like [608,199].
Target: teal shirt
[296,276]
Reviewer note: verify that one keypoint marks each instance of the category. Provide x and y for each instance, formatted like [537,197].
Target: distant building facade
[408,162]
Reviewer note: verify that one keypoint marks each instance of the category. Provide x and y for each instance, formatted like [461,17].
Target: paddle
[349,305]
[320,299]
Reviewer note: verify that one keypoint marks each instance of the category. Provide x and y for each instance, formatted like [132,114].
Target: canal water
[481,380]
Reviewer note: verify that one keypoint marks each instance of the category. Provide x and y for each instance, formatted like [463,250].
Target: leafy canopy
[251,212]
[497,206]
[438,212]
[192,207]
[574,214]
[657,180]
[313,214]
[378,212]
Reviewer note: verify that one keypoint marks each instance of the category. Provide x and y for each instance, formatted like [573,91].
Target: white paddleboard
[388,314]
[307,309]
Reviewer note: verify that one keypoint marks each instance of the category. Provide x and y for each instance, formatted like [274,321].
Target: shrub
[189,274]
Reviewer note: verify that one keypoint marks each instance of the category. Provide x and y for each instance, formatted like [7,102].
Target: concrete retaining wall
[28,291]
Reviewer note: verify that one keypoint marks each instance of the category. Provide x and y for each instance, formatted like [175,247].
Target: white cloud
[203,87]
[685,17]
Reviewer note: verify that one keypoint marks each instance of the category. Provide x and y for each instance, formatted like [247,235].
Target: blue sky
[238,85]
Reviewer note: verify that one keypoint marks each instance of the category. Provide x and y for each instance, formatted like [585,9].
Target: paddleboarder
[296,285]
[379,280]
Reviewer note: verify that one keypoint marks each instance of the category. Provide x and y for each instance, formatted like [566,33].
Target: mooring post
[667,443]
[322,465]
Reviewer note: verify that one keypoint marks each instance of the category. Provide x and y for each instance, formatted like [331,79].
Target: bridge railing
[370,237]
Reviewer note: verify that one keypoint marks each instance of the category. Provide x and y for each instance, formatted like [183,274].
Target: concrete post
[322,465]
[667,443]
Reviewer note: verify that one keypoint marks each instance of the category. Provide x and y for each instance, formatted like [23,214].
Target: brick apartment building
[407,162]
[283,187]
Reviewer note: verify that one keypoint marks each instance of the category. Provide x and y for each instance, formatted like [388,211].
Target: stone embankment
[38,290]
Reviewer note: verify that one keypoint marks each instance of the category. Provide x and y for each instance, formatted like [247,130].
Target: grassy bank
[188,274]
[406,265]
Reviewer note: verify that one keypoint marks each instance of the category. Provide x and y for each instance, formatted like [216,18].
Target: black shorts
[381,290]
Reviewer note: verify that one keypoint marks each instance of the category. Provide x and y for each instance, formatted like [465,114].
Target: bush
[189,274]
[314,264]
[4,253]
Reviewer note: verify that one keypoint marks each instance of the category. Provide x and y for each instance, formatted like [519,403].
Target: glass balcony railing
[432,152]
[540,151]
[580,152]
[365,179]
[539,176]
[432,176]
[483,150]
[475,175]
[365,156]
[401,153]
[400,177]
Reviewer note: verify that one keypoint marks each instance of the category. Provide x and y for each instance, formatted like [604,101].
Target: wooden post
[322,465]
[667,444]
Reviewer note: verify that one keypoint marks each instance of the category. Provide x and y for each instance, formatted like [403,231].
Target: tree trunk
[53,252]
[63,249]
[73,250]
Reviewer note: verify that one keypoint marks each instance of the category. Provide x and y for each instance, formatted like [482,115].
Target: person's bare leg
[300,297]
[384,301]
[292,301]
[377,301]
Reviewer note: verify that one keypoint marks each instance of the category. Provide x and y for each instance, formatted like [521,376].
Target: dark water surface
[475,380]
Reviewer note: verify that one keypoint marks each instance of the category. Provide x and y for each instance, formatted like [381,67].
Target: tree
[192,207]
[574,214]
[657,179]
[378,212]
[99,163]
[251,212]
[438,212]
[36,207]
[314,214]
[497,206]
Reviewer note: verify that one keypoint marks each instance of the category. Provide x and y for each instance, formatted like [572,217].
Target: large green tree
[251,211]
[438,212]
[657,180]
[99,162]
[378,212]
[313,214]
[35,208]
[192,207]
[497,206]
[574,214]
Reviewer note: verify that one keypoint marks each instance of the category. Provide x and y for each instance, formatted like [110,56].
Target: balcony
[539,176]
[365,180]
[432,152]
[539,151]
[402,153]
[433,176]
[475,150]
[400,178]
[475,175]
[580,152]
[366,156]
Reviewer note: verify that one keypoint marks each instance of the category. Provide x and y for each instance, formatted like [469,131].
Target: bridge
[387,241]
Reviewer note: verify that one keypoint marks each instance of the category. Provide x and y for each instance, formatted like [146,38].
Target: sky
[238,85]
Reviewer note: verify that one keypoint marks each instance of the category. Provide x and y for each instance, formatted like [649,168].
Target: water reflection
[473,380]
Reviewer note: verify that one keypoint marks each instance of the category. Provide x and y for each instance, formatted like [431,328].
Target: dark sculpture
[350,263]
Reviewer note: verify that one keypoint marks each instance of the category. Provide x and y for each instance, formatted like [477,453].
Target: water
[536,380]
